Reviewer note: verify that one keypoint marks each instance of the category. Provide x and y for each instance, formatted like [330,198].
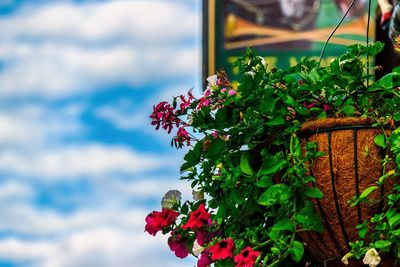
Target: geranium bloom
[157,220]
[205,260]
[222,250]
[164,115]
[186,103]
[246,258]
[182,136]
[178,245]
[372,258]
[197,218]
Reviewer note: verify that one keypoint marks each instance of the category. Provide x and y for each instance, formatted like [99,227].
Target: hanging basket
[345,170]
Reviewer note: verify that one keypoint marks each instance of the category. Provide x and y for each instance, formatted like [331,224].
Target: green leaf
[394,220]
[313,192]
[245,165]
[217,147]
[380,140]
[192,157]
[368,191]
[274,194]
[382,244]
[283,225]
[272,166]
[296,147]
[309,219]
[265,181]
[276,121]
[349,110]
[296,251]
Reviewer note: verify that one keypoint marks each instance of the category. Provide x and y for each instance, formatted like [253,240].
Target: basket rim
[331,124]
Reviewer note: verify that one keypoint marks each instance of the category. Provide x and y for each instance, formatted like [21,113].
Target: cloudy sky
[80,165]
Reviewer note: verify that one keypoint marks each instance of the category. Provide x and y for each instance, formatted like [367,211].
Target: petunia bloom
[157,220]
[246,258]
[205,260]
[178,245]
[222,250]
[197,218]
[372,258]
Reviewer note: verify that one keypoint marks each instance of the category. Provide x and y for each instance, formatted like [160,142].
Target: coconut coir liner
[343,172]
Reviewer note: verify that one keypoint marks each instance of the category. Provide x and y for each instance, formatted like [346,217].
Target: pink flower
[246,258]
[203,102]
[157,220]
[197,218]
[231,92]
[182,136]
[223,90]
[178,245]
[164,115]
[205,260]
[222,250]
[214,134]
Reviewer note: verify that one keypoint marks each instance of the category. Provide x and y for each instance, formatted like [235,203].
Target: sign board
[281,31]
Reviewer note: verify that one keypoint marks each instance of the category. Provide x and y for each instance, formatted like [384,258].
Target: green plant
[246,158]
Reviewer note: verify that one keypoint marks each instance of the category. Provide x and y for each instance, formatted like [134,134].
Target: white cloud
[106,236]
[11,191]
[147,21]
[31,126]
[64,49]
[91,160]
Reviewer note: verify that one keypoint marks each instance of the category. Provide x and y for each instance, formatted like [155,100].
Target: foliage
[246,157]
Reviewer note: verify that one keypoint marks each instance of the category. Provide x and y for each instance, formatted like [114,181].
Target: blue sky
[80,164]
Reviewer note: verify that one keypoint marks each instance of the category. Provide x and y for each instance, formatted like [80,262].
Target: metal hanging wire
[338,25]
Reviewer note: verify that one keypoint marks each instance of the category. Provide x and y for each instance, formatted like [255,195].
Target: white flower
[372,258]
[346,257]
[212,80]
[197,249]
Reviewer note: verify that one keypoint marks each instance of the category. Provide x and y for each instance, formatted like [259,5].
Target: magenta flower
[164,115]
[205,260]
[214,134]
[178,245]
[182,136]
[311,105]
[186,103]
[326,107]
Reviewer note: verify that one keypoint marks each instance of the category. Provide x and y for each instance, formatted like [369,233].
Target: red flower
[197,219]
[164,115]
[246,258]
[222,250]
[157,220]
[178,245]
[205,260]
[182,136]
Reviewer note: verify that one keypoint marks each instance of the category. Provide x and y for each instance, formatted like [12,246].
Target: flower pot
[345,170]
